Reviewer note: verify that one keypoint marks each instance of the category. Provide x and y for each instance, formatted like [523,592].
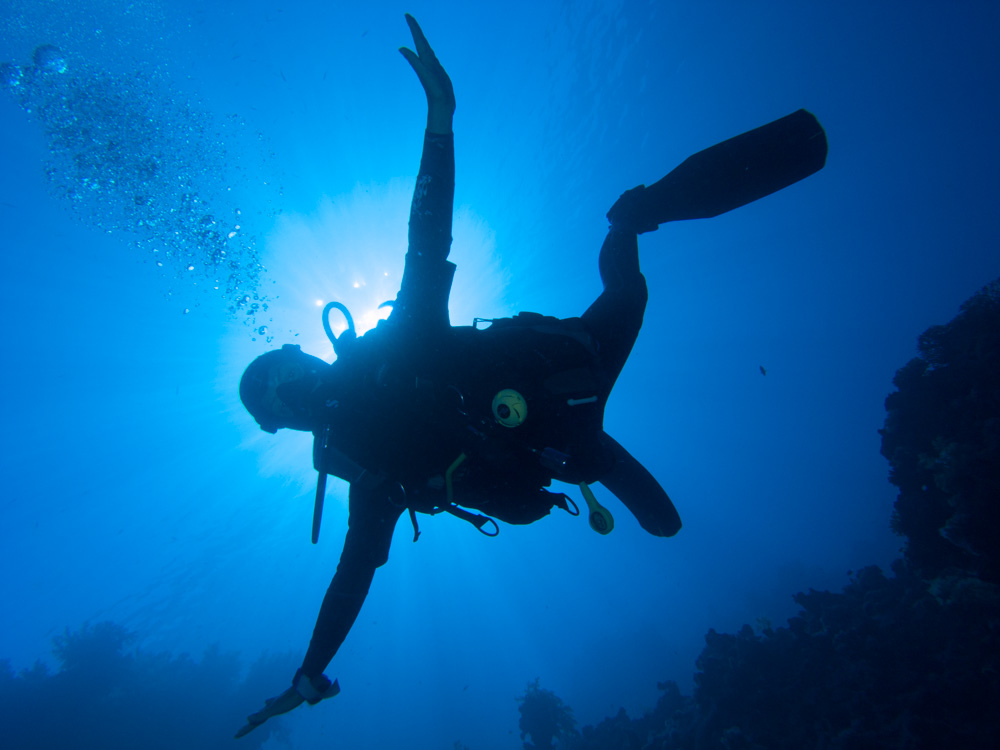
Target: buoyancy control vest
[479,417]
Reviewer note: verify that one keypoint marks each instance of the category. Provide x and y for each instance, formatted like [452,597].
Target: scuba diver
[420,416]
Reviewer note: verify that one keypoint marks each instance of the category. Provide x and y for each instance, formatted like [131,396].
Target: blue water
[135,487]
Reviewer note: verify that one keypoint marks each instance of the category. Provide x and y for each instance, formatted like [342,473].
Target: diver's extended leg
[631,483]
[718,179]
[615,317]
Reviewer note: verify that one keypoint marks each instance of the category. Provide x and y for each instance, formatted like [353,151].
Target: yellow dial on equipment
[509,408]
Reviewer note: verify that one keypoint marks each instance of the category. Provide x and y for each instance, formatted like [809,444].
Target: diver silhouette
[420,416]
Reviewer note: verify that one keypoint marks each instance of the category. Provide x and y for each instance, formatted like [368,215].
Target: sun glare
[349,250]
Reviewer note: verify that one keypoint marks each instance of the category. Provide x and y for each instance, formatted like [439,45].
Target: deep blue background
[135,488]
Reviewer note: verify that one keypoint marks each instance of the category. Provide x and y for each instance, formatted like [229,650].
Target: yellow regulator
[509,408]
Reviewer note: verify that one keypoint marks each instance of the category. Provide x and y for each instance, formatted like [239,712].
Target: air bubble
[131,155]
[11,75]
[49,59]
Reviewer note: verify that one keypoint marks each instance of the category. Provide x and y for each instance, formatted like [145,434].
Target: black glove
[303,690]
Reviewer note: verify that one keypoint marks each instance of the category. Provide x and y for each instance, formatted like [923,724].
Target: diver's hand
[280,704]
[303,689]
[434,79]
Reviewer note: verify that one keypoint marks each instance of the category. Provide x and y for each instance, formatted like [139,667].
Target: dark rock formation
[942,439]
[909,661]
[109,695]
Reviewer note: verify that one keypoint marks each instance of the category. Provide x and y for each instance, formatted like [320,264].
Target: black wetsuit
[413,397]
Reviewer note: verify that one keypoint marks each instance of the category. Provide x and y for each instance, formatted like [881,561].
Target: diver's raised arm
[422,302]
[434,79]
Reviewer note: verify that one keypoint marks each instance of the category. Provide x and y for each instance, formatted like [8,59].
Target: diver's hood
[301,397]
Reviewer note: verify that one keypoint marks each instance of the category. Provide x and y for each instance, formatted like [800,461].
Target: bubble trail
[131,155]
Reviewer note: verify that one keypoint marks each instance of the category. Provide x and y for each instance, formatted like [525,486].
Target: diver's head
[279,389]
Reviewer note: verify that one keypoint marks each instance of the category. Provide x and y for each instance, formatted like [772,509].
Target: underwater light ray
[349,250]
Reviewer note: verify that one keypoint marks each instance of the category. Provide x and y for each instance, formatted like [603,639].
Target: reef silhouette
[110,695]
[942,439]
[544,718]
[910,660]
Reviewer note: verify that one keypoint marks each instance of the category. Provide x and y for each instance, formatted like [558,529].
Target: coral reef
[889,662]
[544,717]
[109,695]
[942,440]
[907,661]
